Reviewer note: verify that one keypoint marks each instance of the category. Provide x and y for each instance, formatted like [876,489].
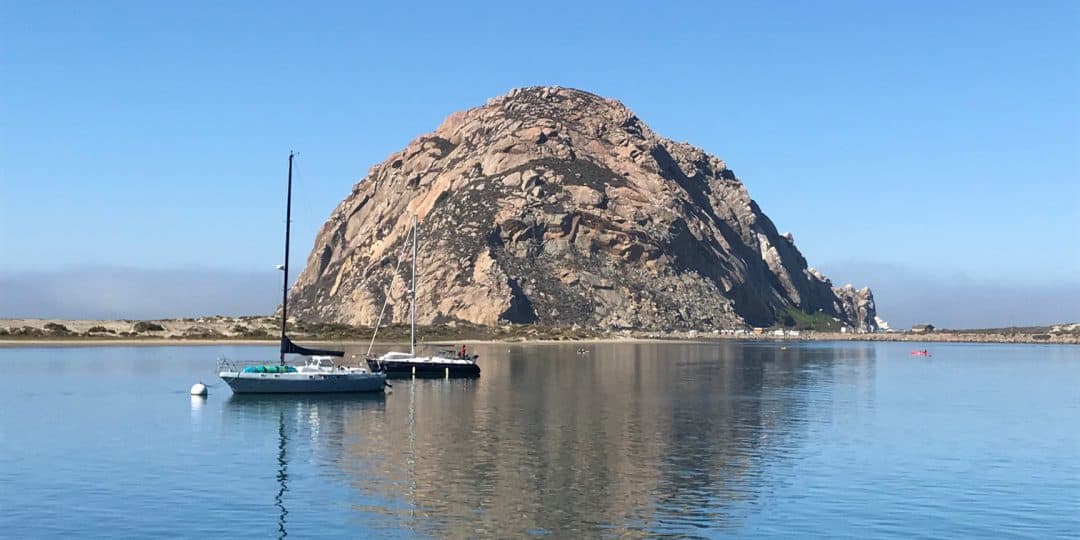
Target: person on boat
[461,353]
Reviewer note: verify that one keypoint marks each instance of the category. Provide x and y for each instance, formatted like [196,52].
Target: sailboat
[319,374]
[407,364]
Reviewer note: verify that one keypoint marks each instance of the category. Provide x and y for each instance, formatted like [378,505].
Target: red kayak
[923,352]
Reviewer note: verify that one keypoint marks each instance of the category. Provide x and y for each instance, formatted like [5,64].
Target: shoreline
[261,330]
[957,337]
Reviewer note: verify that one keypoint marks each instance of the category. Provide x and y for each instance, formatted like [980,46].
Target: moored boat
[319,374]
[409,364]
[441,364]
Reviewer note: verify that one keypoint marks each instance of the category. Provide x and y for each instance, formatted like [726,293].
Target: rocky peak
[558,206]
[857,307]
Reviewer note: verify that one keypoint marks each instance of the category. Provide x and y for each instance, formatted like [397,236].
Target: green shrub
[202,332]
[145,326]
[56,328]
[820,321]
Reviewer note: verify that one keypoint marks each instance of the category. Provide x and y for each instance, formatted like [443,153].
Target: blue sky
[942,138]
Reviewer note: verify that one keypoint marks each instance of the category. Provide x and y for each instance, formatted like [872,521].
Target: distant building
[758,330]
[922,329]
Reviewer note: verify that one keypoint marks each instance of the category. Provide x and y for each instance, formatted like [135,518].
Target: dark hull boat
[401,365]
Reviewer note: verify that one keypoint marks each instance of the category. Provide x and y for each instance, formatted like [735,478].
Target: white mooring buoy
[198,389]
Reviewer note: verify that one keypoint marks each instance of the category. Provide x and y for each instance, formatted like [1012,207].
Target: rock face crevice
[556,206]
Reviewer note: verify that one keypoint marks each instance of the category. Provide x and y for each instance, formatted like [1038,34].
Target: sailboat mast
[412,306]
[285,274]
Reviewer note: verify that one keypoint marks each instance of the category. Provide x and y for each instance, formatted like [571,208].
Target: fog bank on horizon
[904,297]
[130,293]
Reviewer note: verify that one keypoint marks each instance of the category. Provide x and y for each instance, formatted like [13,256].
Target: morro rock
[556,206]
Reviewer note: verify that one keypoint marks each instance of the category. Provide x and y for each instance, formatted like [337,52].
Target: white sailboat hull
[303,383]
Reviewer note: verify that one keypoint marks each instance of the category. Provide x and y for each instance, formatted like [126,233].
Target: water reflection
[827,440]
[632,439]
[282,476]
[198,403]
[321,418]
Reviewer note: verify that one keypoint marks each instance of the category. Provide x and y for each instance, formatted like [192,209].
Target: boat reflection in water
[311,430]
[630,440]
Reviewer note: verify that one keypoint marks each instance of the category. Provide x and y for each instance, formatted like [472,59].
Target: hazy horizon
[904,297]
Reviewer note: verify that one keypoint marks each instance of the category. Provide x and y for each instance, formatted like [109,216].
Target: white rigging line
[378,322]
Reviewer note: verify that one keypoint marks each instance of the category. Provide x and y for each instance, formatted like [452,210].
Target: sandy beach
[263,330]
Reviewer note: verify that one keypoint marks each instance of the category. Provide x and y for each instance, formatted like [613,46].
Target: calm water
[731,440]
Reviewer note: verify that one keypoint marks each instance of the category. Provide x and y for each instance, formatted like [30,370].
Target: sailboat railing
[236,366]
